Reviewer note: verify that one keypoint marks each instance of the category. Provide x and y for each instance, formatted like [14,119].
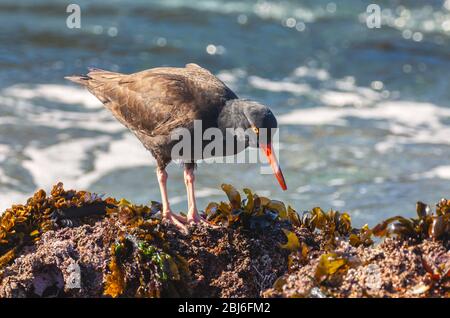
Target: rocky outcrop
[76,244]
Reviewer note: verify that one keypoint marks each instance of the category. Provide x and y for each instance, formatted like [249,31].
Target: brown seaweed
[22,225]
[114,281]
[252,213]
[426,225]
[329,265]
[142,264]
[293,243]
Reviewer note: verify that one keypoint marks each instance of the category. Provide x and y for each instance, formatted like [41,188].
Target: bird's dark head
[258,117]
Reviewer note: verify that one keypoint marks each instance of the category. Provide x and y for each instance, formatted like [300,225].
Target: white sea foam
[124,153]
[66,161]
[276,86]
[304,71]
[19,100]
[5,179]
[341,99]
[314,116]
[4,150]
[76,160]
[304,189]
[57,93]
[336,182]
[408,122]
[8,198]
[331,92]
[441,172]
[415,22]
[263,9]
[79,161]
[62,161]
[232,77]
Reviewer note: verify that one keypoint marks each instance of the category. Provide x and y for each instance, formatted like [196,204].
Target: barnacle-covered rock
[119,249]
[22,225]
[78,244]
[393,268]
[413,260]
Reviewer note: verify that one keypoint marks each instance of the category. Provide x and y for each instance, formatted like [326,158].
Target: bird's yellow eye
[255,129]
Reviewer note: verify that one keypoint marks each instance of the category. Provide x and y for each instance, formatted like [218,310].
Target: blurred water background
[364,113]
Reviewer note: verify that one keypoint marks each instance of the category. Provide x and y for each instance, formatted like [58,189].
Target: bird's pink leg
[167,213]
[189,179]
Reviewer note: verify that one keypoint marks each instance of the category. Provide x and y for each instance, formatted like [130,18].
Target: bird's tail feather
[80,79]
[94,74]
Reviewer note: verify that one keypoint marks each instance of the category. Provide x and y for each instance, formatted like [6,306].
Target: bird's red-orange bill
[274,164]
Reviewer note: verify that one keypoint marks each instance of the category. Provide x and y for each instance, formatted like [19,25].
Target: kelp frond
[329,264]
[252,213]
[114,281]
[141,263]
[22,225]
[426,225]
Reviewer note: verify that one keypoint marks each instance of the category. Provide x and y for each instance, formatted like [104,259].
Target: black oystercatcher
[155,102]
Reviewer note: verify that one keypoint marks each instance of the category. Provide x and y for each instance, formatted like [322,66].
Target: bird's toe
[172,219]
[180,218]
[197,219]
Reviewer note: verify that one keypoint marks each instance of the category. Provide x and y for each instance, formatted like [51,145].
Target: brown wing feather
[158,100]
[154,102]
[157,103]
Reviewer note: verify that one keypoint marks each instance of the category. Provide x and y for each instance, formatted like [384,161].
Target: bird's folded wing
[157,101]
[153,104]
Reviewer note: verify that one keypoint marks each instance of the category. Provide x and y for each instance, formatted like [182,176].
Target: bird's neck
[232,115]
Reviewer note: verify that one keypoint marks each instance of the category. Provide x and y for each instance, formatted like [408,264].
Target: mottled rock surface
[76,244]
[230,263]
[223,262]
[393,268]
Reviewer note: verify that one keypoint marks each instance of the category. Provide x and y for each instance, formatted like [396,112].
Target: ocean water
[364,113]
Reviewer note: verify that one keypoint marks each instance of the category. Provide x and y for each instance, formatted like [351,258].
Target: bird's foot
[194,217]
[180,218]
[177,220]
